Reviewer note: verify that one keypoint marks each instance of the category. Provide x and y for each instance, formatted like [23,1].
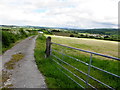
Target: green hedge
[9,37]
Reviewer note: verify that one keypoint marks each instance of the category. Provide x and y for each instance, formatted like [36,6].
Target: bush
[8,38]
[23,33]
[71,35]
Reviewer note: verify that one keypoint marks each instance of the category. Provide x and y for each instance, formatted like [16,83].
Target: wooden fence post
[48,46]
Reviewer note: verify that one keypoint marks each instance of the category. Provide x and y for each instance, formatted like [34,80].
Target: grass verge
[53,77]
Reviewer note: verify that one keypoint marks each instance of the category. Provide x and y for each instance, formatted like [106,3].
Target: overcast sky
[60,13]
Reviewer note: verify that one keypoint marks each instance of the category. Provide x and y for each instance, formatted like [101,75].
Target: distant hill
[27,26]
[94,31]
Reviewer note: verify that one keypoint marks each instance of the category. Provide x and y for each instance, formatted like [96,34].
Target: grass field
[99,46]
[53,75]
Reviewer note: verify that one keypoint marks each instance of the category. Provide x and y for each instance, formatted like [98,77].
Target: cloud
[63,13]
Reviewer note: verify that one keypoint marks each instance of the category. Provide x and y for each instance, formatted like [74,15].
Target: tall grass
[48,67]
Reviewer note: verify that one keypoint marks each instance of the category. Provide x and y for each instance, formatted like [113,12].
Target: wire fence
[89,65]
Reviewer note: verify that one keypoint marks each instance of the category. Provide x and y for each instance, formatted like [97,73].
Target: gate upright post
[48,46]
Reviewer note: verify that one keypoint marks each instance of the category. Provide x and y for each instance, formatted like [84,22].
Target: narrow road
[25,73]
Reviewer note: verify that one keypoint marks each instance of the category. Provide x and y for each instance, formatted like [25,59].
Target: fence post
[48,46]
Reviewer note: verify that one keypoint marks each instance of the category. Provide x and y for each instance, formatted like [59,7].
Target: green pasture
[49,68]
[94,45]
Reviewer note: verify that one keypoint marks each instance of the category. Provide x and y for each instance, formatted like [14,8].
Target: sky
[60,13]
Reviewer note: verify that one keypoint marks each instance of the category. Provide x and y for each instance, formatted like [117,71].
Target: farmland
[101,34]
[100,46]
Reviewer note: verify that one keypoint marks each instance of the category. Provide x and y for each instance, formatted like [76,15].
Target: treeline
[99,31]
[103,34]
[11,36]
[97,36]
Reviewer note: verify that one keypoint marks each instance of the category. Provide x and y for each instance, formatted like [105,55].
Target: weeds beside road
[54,78]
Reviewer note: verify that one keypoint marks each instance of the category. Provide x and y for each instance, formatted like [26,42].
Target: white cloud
[64,13]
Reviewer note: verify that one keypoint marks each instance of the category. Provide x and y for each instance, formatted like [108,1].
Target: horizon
[56,27]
